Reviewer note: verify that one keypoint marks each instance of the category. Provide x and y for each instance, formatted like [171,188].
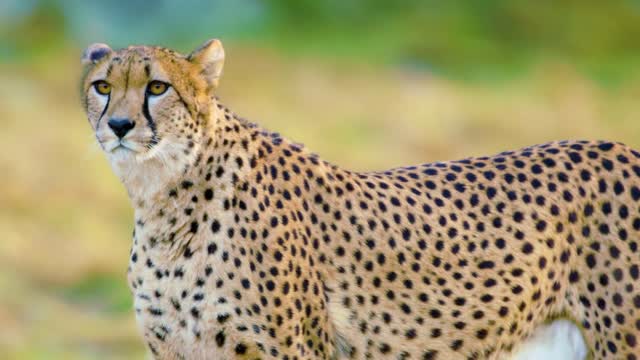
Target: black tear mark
[150,122]
[103,112]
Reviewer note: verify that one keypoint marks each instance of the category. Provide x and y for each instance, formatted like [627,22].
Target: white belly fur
[558,340]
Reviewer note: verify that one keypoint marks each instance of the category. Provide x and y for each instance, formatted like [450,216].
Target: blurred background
[366,84]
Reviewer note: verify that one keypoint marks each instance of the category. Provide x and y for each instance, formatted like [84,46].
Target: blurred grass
[366,84]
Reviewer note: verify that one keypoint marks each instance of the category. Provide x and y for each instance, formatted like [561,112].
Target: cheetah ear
[94,53]
[210,56]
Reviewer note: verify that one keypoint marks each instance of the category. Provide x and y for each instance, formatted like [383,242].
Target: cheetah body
[248,246]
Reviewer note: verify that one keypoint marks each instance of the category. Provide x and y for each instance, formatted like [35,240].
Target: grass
[102,293]
[65,221]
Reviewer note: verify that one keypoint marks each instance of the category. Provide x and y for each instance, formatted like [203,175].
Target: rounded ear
[94,53]
[210,56]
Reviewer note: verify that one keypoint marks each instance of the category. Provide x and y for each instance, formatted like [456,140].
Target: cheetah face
[149,104]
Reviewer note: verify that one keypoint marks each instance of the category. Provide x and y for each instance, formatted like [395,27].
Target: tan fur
[248,246]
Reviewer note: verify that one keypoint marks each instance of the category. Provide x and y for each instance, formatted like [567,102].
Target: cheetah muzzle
[248,246]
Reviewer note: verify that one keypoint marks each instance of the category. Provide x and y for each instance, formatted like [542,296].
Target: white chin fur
[147,172]
[559,340]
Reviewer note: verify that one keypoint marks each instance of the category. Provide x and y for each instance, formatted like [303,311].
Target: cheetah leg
[559,340]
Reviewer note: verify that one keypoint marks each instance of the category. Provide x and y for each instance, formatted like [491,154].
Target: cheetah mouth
[120,147]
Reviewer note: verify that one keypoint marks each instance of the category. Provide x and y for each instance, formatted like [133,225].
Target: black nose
[121,127]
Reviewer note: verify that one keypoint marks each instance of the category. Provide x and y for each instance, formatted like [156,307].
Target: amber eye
[102,87]
[157,87]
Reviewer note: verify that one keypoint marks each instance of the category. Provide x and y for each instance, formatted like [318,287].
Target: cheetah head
[149,106]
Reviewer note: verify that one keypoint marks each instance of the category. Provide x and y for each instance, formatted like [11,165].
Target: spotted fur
[248,246]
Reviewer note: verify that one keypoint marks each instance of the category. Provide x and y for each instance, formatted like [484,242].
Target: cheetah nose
[121,127]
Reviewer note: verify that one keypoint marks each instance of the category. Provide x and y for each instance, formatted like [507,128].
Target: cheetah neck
[170,207]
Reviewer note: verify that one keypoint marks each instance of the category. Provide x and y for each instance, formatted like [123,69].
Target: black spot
[630,339]
[220,338]
[486,264]
[194,227]
[574,276]
[241,349]
[215,226]
[430,355]
[211,248]
[208,194]
[605,146]
[486,298]
[575,157]
[456,344]
[245,283]
[195,312]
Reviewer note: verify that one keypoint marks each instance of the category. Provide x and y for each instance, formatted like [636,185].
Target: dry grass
[65,221]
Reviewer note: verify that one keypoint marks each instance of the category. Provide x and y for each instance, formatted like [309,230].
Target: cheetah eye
[102,87]
[157,88]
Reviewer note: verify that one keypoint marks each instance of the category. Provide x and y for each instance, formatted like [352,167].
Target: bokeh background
[366,84]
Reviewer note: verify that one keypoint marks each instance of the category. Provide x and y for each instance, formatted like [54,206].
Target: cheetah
[249,246]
